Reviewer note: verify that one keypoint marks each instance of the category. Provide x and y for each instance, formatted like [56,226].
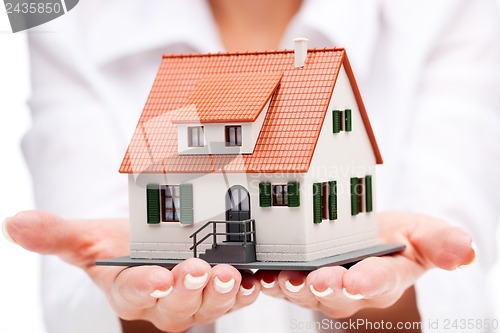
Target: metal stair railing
[247,224]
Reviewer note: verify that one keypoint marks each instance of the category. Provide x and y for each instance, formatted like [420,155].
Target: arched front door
[237,209]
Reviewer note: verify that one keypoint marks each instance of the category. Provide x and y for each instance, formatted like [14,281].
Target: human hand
[190,293]
[376,282]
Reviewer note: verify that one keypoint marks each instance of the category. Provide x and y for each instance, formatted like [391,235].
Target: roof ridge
[227,53]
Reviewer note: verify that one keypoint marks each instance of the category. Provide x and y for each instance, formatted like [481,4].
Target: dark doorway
[238,209]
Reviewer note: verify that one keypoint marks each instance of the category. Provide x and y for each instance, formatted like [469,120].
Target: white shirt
[428,71]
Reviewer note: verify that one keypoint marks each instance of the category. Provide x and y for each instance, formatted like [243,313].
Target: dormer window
[233,136]
[196,136]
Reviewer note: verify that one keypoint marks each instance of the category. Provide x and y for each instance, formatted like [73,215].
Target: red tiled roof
[291,127]
[228,97]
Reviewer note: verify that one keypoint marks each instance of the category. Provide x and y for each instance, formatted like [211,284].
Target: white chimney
[300,51]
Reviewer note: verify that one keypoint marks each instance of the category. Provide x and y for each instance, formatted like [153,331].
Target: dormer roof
[228,98]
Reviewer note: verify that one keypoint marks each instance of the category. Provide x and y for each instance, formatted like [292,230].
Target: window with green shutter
[153,203]
[360,192]
[171,201]
[342,120]
[332,200]
[279,194]
[293,194]
[324,200]
[348,120]
[368,191]
[265,194]
[317,209]
[354,196]
[186,195]
[336,121]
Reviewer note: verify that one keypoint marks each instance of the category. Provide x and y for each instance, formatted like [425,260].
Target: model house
[265,156]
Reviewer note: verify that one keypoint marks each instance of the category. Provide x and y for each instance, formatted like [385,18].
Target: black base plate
[345,259]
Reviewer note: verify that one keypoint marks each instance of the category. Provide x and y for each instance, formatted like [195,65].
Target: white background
[20,309]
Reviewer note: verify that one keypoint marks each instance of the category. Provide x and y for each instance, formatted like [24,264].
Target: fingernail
[193,283]
[223,287]
[292,288]
[474,248]
[245,291]
[161,293]
[354,297]
[267,285]
[5,232]
[324,293]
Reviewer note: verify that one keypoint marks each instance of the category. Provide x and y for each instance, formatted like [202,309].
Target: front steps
[230,252]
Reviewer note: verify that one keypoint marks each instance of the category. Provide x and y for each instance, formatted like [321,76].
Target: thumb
[77,242]
[37,231]
[430,242]
[445,246]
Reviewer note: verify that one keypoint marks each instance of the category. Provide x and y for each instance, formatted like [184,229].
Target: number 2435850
[33,8]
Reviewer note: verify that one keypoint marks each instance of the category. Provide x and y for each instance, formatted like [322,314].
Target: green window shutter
[317,209]
[187,216]
[354,196]
[336,121]
[293,194]
[348,120]
[368,190]
[265,194]
[153,203]
[332,197]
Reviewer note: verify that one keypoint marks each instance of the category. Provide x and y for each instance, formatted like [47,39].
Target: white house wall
[277,228]
[338,157]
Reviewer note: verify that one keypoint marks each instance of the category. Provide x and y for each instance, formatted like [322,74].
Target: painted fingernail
[324,293]
[474,248]
[267,285]
[161,293]
[5,232]
[245,291]
[292,288]
[223,287]
[195,282]
[354,297]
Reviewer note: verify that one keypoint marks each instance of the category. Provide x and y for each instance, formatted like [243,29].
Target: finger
[248,292]
[178,308]
[325,281]
[293,286]
[219,296]
[268,282]
[326,285]
[139,288]
[77,242]
[388,278]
